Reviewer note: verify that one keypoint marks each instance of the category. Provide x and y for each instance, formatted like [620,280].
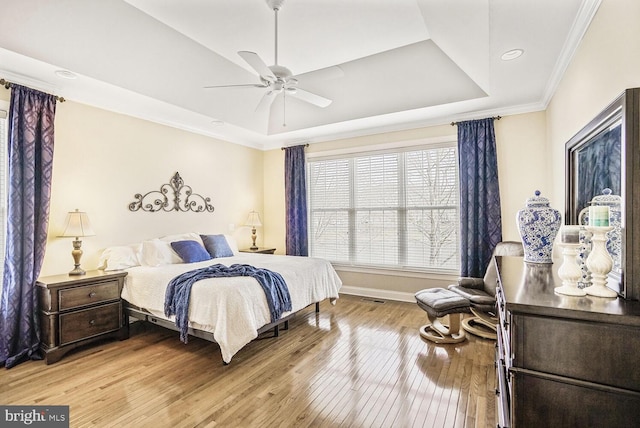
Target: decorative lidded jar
[538,224]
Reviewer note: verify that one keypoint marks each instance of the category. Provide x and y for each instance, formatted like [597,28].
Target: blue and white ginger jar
[538,224]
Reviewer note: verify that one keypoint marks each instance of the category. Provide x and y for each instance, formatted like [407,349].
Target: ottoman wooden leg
[481,324]
[440,333]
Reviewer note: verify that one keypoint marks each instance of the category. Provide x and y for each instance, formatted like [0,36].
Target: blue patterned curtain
[480,218]
[295,189]
[30,154]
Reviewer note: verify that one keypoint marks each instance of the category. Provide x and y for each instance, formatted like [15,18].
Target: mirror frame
[627,108]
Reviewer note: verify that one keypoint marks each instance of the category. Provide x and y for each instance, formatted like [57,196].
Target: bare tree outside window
[432,205]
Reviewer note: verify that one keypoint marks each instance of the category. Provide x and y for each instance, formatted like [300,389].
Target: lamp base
[77,271]
[253,239]
[77,254]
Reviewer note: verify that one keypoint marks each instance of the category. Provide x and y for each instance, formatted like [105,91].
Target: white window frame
[402,146]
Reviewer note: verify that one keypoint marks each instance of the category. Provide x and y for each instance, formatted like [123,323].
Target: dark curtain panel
[295,189]
[30,155]
[480,218]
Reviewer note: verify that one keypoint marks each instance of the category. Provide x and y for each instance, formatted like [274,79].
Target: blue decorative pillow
[217,246]
[190,251]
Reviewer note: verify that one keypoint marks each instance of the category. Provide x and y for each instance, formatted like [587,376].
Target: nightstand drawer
[90,322]
[70,298]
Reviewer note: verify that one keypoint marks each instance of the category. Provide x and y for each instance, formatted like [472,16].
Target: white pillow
[191,236]
[119,257]
[232,244]
[157,252]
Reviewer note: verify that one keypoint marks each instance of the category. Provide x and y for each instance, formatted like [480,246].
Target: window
[390,209]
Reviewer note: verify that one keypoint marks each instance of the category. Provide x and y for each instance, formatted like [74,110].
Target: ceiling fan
[277,79]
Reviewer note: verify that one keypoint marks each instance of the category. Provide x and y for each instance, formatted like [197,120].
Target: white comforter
[233,309]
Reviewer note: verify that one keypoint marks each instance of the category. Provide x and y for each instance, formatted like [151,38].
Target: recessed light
[217,122]
[65,74]
[512,54]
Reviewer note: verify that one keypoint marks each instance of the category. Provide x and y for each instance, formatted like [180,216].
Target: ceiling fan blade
[258,65]
[245,85]
[309,97]
[266,101]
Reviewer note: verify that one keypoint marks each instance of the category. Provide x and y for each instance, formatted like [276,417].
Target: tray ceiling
[403,63]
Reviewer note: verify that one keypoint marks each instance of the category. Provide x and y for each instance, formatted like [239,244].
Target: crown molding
[580,26]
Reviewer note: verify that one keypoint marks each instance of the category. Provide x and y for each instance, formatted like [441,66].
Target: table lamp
[253,220]
[77,225]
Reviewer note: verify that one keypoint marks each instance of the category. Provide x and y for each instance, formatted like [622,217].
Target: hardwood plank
[410,390]
[357,364]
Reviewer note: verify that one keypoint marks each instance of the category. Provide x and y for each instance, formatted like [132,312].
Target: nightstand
[260,250]
[80,309]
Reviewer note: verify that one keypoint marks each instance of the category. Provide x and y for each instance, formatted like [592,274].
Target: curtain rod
[8,84]
[494,117]
[282,148]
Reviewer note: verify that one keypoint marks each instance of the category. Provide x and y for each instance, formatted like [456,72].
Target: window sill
[401,272]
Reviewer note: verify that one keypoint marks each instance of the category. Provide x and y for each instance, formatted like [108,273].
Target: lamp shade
[253,219]
[77,224]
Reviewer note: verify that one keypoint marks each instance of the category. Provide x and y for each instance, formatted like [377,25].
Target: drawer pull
[92,322]
[92,294]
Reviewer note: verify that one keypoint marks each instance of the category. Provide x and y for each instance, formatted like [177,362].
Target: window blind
[394,209]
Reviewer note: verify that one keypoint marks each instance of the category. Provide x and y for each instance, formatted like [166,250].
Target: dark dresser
[563,361]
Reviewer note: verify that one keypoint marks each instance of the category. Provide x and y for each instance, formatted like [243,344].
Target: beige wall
[274,211]
[523,168]
[102,159]
[606,63]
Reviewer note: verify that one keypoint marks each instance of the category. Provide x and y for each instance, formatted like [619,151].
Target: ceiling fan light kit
[276,78]
[275,4]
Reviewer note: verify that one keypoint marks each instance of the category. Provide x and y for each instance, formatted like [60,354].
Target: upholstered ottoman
[438,302]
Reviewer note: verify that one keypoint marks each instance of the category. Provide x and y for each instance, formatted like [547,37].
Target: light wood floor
[356,364]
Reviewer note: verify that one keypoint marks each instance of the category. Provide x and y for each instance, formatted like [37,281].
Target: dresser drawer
[503,393]
[544,400]
[90,322]
[76,297]
[567,348]
[504,327]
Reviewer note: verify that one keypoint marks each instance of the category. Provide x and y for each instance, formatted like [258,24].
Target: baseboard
[376,293]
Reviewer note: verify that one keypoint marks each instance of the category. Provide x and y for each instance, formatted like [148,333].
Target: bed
[231,311]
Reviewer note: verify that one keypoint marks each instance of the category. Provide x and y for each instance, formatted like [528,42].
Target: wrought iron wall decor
[158,200]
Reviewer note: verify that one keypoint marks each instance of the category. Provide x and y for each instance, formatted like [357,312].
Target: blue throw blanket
[176,300]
